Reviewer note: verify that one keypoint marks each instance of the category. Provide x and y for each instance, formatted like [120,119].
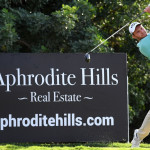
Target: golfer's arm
[147,9]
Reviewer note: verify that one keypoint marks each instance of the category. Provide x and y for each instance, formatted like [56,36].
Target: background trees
[77,26]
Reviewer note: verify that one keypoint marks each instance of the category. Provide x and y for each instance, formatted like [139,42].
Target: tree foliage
[37,30]
[78,26]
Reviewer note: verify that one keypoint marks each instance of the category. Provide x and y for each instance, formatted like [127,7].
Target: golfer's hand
[147,9]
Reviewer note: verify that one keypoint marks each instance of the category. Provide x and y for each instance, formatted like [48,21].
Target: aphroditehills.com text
[65,120]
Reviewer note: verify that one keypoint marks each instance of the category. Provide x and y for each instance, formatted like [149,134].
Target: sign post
[61,98]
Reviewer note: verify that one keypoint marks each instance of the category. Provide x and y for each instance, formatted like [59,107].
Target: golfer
[139,33]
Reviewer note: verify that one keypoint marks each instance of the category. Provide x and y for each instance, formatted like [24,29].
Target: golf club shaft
[116,32]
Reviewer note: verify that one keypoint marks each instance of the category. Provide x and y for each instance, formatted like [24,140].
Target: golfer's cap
[133,26]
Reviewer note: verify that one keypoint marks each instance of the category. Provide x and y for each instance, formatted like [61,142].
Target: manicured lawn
[72,146]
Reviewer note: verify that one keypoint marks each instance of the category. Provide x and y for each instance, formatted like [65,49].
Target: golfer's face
[140,32]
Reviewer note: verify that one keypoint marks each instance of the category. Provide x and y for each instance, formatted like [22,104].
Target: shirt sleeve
[145,49]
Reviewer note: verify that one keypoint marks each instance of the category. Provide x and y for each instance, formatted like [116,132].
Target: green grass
[73,146]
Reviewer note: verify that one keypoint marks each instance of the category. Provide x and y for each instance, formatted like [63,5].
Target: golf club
[87,55]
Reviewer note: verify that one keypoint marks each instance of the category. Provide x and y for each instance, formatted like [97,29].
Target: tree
[36,31]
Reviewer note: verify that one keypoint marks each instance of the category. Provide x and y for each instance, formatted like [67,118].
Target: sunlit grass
[72,146]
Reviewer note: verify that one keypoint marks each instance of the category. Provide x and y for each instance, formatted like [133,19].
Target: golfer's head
[137,30]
